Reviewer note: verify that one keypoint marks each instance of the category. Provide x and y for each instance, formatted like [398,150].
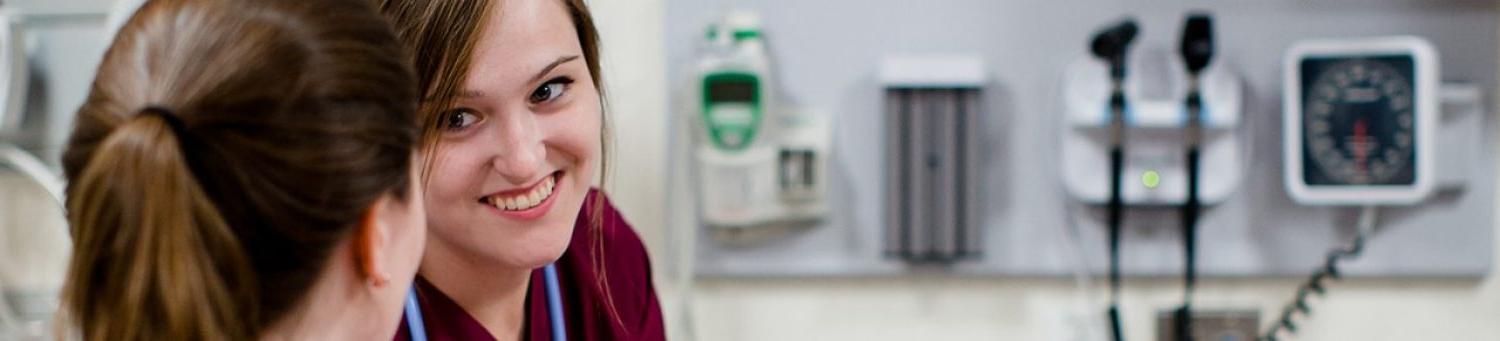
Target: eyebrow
[470,94]
[560,60]
[548,69]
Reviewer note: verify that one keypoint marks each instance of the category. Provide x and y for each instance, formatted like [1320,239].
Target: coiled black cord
[1317,283]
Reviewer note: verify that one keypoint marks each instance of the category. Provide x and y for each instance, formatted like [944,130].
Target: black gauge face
[1359,121]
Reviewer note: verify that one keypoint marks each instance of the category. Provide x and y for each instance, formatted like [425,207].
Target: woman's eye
[459,120]
[551,90]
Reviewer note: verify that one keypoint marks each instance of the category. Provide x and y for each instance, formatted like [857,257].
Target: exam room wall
[865,309]
[965,308]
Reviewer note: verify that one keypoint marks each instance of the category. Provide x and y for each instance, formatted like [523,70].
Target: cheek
[452,182]
[577,132]
[417,223]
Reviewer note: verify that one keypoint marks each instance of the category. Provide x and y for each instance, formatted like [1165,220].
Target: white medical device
[759,161]
[1153,173]
[1359,121]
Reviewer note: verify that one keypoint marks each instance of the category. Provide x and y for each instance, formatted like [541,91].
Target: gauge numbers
[1359,122]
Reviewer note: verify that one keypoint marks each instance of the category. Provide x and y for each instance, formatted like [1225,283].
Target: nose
[521,156]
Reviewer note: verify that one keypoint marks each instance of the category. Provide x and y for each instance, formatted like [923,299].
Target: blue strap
[414,324]
[418,328]
[554,303]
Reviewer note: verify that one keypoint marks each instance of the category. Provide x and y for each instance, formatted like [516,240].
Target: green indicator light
[1151,179]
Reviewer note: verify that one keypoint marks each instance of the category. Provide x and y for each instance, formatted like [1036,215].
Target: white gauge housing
[1424,82]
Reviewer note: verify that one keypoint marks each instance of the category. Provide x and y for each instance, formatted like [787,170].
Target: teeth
[528,200]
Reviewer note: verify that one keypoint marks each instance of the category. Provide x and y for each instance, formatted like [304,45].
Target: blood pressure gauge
[1359,119]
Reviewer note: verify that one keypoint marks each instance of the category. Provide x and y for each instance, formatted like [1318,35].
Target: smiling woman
[514,129]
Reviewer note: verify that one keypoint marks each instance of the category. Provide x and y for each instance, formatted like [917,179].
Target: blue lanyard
[418,328]
[554,304]
[414,324]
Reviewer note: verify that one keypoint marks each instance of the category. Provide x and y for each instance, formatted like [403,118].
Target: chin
[535,255]
[549,242]
[536,246]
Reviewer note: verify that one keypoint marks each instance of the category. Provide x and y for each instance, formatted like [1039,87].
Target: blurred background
[896,170]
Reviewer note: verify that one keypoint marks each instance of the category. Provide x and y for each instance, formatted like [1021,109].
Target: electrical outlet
[1212,325]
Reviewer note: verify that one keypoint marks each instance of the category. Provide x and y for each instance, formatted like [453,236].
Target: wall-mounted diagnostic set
[1176,141]
[1172,124]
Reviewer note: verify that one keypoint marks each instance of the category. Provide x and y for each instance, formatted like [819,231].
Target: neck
[338,299]
[494,295]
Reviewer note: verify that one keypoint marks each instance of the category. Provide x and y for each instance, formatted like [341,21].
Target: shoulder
[615,232]
[604,237]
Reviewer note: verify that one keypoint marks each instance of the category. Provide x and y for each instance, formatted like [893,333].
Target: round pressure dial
[1359,121]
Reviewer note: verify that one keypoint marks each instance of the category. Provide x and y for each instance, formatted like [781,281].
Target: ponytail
[148,240]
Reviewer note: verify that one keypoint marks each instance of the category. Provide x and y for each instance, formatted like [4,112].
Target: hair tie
[186,141]
[178,128]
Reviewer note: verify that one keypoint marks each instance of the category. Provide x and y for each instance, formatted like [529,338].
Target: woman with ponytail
[242,169]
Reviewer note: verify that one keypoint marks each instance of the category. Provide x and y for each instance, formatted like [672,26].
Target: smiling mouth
[517,202]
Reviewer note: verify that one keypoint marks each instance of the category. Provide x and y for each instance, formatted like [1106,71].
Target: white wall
[962,308]
[634,64]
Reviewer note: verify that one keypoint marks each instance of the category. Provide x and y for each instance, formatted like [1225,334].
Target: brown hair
[441,35]
[225,148]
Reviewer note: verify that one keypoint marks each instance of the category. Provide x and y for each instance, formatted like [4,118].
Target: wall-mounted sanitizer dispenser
[1155,117]
[932,117]
[759,160]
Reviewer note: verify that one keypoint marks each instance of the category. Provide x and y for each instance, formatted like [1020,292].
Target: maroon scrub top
[585,303]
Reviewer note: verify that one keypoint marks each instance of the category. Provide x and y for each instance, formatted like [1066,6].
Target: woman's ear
[371,239]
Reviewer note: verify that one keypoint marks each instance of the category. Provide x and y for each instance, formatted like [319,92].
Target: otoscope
[1111,44]
[1197,50]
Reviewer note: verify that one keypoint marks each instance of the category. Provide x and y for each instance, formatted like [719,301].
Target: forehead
[518,39]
